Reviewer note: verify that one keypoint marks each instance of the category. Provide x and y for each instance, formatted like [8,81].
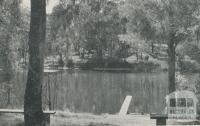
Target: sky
[49,8]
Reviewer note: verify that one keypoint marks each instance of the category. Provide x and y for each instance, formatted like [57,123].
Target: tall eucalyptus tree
[33,114]
[172,21]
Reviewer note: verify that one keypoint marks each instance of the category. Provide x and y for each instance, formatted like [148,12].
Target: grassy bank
[83,119]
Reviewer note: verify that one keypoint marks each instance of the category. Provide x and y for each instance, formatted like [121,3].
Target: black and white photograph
[99,62]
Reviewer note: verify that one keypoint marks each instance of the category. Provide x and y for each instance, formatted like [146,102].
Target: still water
[96,92]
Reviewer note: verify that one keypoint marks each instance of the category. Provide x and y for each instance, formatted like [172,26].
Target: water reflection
[98,92]
[104,92]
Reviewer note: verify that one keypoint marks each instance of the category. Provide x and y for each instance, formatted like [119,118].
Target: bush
[61,63]
[70,63]
[117,63]
[105,63]
[188,66]
[145,66]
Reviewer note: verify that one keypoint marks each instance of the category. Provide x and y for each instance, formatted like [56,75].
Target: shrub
[188,66]
[61,63]
[144,66]
[106,63]
[70,63]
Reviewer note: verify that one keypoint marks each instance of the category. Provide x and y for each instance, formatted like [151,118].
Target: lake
[95,91]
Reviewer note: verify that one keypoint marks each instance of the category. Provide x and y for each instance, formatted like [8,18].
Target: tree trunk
[171,63]
[9,95]
[137,55]
[33,114]
[171,52]
[152,47]
[100,52]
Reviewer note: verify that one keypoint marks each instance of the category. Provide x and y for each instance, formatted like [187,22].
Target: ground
[101,120]
[85,119]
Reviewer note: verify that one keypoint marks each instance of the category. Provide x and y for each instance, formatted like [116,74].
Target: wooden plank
[11,111]
[47,119]
[125,105]
[49,112]
[158,116]
[22,111]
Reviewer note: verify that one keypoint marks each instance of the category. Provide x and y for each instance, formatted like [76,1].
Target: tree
[180,19]
[89,26]
[101,33]
[172,20]
[9,22]
[33,114]
[62,31]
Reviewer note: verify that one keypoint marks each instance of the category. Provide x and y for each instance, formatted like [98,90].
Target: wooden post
[160,119]
[160,122]
[49,91]
[47,119]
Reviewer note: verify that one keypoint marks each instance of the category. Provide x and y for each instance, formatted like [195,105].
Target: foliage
[145,66]
[102,32]
[189,66]
[192,50]
[92,27]
[12,37]
[61,22]
[151,18]
[13,34]
[70,64]
[10,20]
[168,21]
[182,83]
[105,63]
